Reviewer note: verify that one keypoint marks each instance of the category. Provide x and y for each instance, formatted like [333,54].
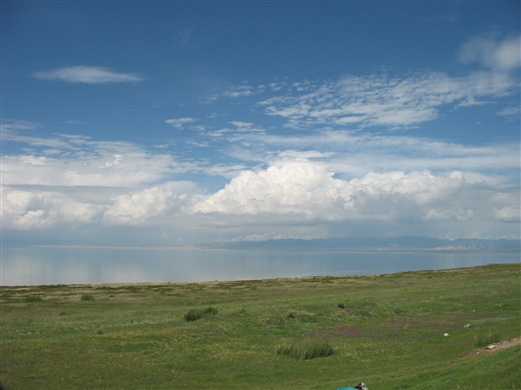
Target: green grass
[491,337]
[386,330]
[306,349]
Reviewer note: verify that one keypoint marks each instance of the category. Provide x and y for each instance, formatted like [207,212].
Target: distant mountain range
[373,243]
[405,243]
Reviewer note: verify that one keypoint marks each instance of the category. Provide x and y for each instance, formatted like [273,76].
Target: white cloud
[227,171]
[508,214]
[87,75]
[328,176]
[86,182]
[22,210]
[157,205]
[396,101]
[9,128]
[26,210]
[288,187]
[511,112]
[180,122]
[351,154]
[44,207]
[239,91]
[294,197]
[382,100]
[244,126]
[300,198]
[507,206]
[307,189]
[492,52]
[100,168]
[81,161]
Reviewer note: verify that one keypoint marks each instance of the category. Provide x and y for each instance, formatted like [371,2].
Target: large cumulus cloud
[306,190]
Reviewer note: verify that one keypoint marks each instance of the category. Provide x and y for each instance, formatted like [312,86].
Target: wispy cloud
[384,100]
[81,160]
[88,75]
[390,100]
[239,91]
[179,123]
[492,52]
[511,112]
[354,154]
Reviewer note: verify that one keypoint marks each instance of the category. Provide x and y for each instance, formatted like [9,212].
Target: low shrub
[482,340]
[196,314]
[87,297]
[33,298]
[306,349]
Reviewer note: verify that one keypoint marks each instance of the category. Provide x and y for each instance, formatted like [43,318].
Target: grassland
[386,330]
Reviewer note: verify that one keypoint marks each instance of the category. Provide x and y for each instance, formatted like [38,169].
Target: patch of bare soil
[494,347]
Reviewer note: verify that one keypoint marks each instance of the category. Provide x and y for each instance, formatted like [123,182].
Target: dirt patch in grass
[496,347]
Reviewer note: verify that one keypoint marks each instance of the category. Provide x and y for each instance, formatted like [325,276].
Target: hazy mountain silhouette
[373,243]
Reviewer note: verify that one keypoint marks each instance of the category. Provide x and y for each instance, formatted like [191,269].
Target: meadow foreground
[425,330]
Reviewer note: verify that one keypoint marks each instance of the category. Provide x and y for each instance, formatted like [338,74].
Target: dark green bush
[196,314]
[482,340]
[307,349]
[33,298]
[87,297]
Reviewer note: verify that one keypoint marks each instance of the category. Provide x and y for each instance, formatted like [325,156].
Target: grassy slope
[386,331]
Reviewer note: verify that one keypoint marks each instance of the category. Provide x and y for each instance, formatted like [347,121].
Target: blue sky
[177,123]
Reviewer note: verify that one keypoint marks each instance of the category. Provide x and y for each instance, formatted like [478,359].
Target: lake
[45,266]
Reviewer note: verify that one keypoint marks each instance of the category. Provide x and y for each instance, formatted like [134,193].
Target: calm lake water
[38,266]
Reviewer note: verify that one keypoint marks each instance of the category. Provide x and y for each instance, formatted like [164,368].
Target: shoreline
[231,281]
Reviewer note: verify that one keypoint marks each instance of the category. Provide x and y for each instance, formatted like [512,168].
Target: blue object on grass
[360,386]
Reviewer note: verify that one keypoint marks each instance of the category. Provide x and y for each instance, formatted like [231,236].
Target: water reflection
[34,266]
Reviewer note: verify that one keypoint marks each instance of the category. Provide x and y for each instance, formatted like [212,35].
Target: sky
[181,123]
